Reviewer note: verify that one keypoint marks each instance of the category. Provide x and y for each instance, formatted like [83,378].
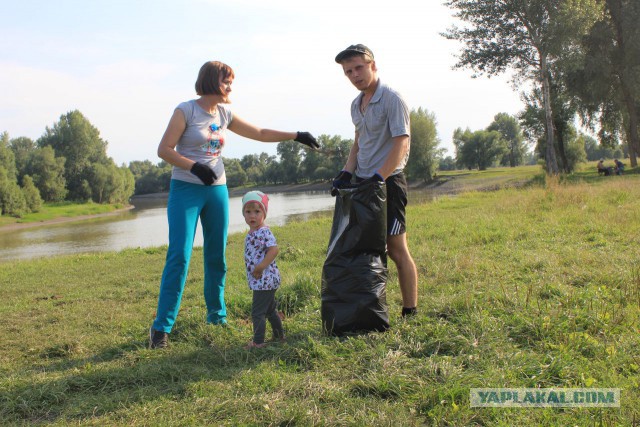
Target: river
[144,226]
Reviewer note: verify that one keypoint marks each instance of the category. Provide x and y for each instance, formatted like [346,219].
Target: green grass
[518,172]
[521,287]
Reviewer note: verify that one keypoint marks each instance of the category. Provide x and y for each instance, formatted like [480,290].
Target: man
[380,152]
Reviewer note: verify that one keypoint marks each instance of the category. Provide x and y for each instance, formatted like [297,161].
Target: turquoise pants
[188,202]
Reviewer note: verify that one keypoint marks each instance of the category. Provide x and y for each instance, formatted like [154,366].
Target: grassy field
[522,287]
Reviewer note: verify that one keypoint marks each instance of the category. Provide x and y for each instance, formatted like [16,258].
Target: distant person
[193,143]
[263,276]
[379,153]
[619,167]
[604,170]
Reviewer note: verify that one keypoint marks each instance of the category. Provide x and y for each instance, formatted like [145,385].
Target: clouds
[126,66]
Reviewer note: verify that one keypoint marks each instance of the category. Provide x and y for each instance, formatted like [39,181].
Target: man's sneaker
[157,339]
[409,311]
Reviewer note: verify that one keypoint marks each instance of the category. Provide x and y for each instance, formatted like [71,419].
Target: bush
[31,194]
[575,154]
[12,201]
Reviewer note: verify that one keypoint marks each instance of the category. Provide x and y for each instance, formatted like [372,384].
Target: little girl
[260,251]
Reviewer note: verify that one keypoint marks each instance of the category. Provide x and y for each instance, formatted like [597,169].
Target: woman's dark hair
[209,77]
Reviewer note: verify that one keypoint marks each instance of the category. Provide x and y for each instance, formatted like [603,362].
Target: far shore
[239,191]
[60,220]
[447,186]
[440,186]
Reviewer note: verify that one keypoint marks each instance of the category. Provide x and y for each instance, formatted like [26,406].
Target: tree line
[576,59]
[69,162]
[581,58]
[507,139]
[295,164]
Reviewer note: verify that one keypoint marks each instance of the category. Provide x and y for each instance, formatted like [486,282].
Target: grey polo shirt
[386,117]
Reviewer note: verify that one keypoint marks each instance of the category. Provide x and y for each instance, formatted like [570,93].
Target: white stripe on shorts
[395,228]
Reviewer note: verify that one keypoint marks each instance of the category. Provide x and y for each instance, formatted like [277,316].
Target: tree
[122,185]
[150,178]
[109,183]
[533,123]
[101,182]
[78,141]
[520,34]
[447,164]
[12,200]
[249,160]
[7,158]
[31,194]
[509,129]
[313,160]
[236,176]
[608,82]
[47,172]
[256,172]
[479,149]
[424,153]
[624,19]
[274,173]
[290,158]
[22,148]
[324,165]
[593,150]
[574,149]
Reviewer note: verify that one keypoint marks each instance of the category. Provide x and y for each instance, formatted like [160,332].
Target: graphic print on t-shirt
[215,141]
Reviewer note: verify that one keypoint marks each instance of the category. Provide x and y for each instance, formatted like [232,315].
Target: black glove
[204,172]
[342,180]
[375,178]
[307,139]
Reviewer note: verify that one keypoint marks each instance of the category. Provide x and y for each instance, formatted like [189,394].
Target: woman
[193,144]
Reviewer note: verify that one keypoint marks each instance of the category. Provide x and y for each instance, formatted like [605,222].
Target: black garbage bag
[354,275]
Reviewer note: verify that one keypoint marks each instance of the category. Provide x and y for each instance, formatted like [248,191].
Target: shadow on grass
[92,386]
[64,385]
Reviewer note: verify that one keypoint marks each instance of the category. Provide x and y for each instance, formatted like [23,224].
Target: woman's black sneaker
[158,339]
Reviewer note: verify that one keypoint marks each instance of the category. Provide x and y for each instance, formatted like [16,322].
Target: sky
[126,65]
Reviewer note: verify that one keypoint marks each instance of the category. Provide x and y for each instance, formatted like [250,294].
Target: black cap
[354,49]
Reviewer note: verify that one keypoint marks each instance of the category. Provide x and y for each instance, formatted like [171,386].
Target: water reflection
[144,226]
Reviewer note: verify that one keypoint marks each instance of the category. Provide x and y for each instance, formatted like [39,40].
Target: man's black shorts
[396,204]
